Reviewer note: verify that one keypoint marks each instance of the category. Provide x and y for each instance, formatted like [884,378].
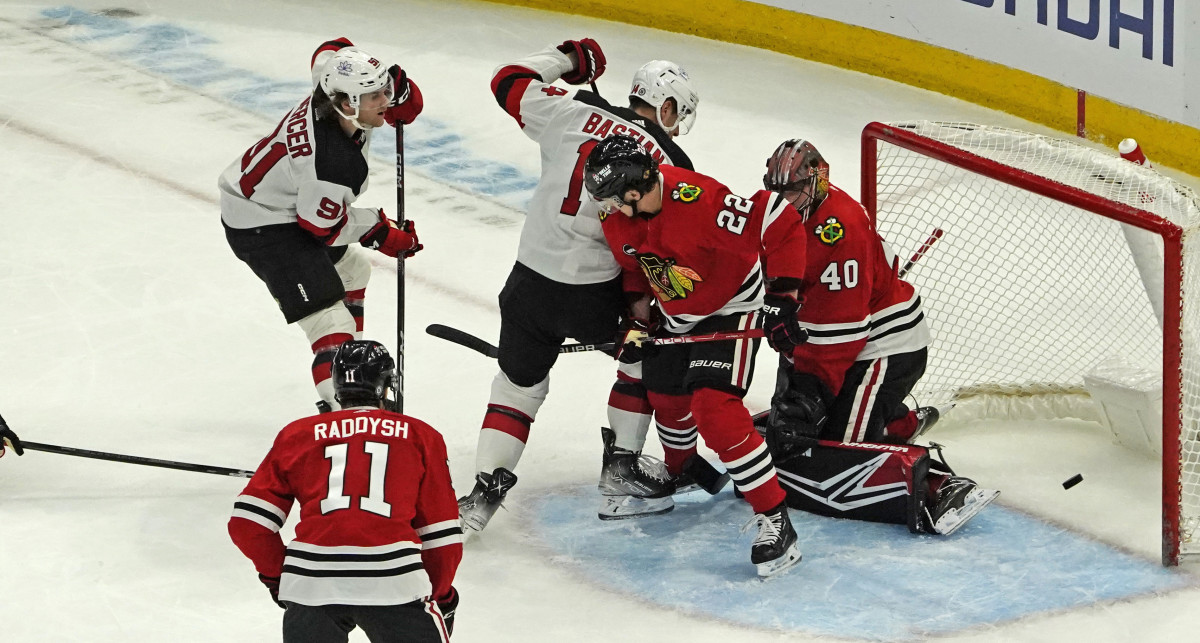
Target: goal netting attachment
[1053,258]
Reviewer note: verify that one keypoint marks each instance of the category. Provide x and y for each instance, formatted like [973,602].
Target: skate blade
[625,507]
[956,518]
[776,567]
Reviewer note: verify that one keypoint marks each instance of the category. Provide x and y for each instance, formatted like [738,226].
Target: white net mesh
[1025,294]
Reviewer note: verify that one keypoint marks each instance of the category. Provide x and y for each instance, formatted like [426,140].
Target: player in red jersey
[287,203]
[687,241]
[867,344]
[378,541]
[565,283]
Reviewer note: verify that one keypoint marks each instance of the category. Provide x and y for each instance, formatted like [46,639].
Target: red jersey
[855,306]
[706,252]
[378,516]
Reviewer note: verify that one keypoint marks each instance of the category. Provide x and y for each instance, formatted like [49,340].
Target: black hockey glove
[272,583]
[591,61]
[797,415]
[448,607]
[781,324]
[9,439]
[633,341]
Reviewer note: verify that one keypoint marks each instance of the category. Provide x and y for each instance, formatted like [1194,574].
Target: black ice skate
[698,473]
[958,500]
[774,550]
[476,508]
[324,407]
[632,484]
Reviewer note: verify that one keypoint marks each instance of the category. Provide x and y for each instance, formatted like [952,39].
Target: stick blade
[462,339]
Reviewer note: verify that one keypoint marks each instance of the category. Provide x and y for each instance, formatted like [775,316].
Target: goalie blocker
[897,484]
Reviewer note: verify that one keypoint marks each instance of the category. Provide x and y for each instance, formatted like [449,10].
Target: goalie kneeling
[891,483]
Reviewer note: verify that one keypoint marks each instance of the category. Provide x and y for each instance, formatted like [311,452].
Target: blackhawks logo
[686,193]
[831,231]
[668,280]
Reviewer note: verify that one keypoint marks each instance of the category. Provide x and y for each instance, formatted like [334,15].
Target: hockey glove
[448,606]
[9,439]
[781,324]
[633,342]
[272,584]
[391,240]
[407,102]
[591,61]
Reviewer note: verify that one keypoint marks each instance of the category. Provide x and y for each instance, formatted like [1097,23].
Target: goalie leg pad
[871,482]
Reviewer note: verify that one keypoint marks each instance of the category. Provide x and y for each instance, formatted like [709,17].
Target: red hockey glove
[447,606]
[272,584]
[9,439]
[391,240]
[780,322]
[591,61]
[633,341]
[407,102]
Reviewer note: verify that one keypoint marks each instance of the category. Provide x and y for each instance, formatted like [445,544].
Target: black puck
[1073,480]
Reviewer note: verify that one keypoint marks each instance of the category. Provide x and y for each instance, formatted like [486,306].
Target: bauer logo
[708,363]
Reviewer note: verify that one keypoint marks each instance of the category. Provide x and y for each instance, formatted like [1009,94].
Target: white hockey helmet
[353,72]
[659,80]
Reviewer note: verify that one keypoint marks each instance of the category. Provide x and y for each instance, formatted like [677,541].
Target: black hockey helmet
[800,173]
[363,374]
[616,165]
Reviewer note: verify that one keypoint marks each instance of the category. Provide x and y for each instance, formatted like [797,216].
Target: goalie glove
[391,240]
[9,439]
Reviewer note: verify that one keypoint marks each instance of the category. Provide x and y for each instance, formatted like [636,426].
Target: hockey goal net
[1052,257]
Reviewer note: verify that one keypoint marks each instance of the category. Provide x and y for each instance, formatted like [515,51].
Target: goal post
[1056,256]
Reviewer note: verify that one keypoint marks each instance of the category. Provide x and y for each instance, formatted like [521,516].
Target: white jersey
[562,238]
[308,172]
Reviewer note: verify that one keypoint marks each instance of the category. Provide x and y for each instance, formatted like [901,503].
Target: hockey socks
[676,429]
[725,425]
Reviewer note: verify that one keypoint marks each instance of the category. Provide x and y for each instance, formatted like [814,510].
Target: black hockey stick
[463,338]
[933,238]
[133,459]
[400,269]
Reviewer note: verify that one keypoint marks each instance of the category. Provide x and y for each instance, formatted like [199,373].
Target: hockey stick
[478,345]
[400,269]
[933,238]
[133,459]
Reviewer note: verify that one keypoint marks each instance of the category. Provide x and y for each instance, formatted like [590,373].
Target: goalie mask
[616,165]
[799,172]
[353,72]
[364,374]
[659,80]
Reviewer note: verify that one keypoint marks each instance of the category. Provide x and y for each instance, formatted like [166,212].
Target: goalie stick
[937,234]
[463,338]
[134,459]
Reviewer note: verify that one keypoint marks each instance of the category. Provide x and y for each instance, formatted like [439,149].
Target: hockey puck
[1073,480]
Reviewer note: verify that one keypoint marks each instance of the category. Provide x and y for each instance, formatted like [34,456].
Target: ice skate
[476,508]
[958,500]
[774,550]
[632,485]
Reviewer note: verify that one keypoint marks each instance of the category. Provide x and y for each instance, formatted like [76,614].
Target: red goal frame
[1172,235]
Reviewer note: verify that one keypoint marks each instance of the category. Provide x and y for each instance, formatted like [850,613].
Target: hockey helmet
[800,173]
[659,80]
[364,373]
[616,165]
[353,72]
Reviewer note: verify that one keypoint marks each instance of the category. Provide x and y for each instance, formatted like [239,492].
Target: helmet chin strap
[352,119]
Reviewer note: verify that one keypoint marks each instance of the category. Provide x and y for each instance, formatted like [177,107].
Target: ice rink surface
[130,327]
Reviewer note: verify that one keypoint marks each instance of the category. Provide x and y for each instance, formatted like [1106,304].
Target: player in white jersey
[566,283]
[287,203]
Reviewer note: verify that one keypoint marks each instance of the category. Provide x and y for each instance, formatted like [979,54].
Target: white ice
[130,327]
